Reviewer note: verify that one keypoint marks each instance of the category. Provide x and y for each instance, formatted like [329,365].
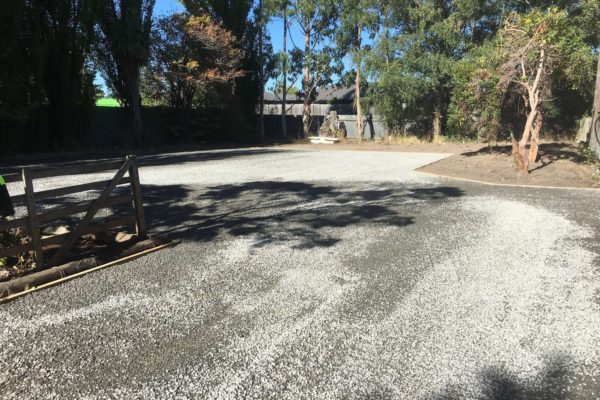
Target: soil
[559,164]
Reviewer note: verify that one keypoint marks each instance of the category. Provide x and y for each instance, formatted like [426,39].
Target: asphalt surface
[324,275]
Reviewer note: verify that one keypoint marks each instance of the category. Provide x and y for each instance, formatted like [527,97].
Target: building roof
[327,94]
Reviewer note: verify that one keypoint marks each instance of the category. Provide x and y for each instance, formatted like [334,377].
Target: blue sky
[166,7]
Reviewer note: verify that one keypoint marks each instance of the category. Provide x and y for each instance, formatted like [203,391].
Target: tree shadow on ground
[500,384]
[303,215]
[552,383]
[548,153]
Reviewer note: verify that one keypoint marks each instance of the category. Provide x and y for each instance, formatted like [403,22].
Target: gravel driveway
[325,275]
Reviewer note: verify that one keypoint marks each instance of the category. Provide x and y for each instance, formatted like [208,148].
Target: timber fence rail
[30,224]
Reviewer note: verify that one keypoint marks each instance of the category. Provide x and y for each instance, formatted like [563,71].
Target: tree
[124,28]
[535,48]
[476,102]
[21,70]
[68,78]
[190,55]
[317,61]
[414,66]
[281,9]
[261,71]
[46,83]
[236,17]
[358,17]
[588,17]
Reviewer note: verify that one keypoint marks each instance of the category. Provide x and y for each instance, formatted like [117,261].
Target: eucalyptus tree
[124,28]
[281,9]
[358,18]
[318,60]
[534,48]
[260,16]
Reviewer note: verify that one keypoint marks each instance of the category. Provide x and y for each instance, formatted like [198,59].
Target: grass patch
[107,102]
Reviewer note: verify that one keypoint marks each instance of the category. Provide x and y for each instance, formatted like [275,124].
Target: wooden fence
[31,223]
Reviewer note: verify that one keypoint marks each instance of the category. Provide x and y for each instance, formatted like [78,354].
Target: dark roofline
[326,95]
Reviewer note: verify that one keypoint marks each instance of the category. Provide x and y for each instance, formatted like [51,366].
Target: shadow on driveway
[499,384]
[304,215]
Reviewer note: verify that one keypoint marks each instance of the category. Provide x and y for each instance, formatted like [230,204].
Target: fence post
[34,226]
[136,194]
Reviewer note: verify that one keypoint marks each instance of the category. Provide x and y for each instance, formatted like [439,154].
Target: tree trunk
[136,111]
[595,132]
[284,98]
[535,135]
[359,120]
[519,148]
[437,119]
[522,159]
[306,117]
[261,73]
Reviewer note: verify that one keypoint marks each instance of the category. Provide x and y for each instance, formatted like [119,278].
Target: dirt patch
[559,164]
[453,148]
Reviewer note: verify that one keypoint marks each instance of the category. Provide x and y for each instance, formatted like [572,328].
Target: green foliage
[543,51]
[433,55]
[316,20]
[239,18]
[193,59]
[475,109]
[417,52]
[449,62]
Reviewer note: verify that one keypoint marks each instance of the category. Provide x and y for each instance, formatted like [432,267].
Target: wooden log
[126,252]
[34,226]
[136,194]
